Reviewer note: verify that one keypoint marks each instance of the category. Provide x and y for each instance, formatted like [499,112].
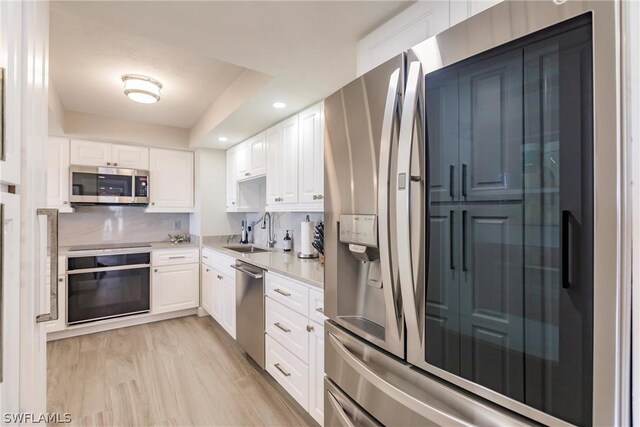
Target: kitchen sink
[246,249]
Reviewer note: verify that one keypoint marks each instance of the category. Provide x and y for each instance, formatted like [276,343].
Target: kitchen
[422,217]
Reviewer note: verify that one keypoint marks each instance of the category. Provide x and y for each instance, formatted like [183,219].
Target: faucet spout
[271,240]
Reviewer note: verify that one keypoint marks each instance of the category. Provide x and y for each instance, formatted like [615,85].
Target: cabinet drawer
[175,256]
[288,328]
[289,371]
[223,263]
[207,257]
[316,306]
[288,292]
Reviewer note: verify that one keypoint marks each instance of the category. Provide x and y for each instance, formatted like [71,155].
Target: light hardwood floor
[178,372]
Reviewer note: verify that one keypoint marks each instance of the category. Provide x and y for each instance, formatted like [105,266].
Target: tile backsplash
[118,224]
[282,221]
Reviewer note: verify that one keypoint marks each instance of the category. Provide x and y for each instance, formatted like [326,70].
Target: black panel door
[491,128]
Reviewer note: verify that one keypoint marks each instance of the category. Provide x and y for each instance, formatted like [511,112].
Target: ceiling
[293,51]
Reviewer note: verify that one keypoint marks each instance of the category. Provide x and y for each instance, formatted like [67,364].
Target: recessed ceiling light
[141,88]
[222,139]
[279,105]
[559,1]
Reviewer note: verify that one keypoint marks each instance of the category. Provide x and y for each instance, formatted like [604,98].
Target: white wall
[210,217]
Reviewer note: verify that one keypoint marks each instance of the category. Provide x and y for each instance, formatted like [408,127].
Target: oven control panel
[142,186]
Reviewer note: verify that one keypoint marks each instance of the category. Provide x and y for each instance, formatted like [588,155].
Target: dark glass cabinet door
[509,300]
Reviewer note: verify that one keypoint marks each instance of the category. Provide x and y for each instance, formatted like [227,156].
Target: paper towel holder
[312,255]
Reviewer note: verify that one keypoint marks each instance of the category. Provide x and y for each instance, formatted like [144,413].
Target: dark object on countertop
[288,243]
[318,237]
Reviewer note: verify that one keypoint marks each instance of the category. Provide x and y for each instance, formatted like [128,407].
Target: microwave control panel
[142,186]
[359,230]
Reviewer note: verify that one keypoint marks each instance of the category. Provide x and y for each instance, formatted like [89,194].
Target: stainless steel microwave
[104,185]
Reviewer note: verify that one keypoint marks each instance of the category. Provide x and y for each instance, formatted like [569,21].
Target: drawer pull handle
[177,257]
[220,277]
[282,328]
[320,310]
[285,373]
[205,257]
[281,292]
[310,328]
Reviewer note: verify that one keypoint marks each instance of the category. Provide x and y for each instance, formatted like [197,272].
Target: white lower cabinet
[228,299]
[207,282]
[219,281]
[175,287]
[295,340]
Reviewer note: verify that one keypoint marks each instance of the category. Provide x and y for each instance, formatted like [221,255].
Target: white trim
[123,322]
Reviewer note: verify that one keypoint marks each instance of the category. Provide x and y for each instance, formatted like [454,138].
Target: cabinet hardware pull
[320,310]
[310,328]
[205,257]
[207,270]
[177,257]
[285,373]
[52,229]
[155,270]
[451,177]
[566,249]
[464,240]
[281,292]
[247,174]
[320,197]
[315,197]
[282,328]
[153,203]
[108,163]
[220,277]
[464,180]
[65,203]
[451,249]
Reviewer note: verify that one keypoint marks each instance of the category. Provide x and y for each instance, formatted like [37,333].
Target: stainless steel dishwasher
[250,310]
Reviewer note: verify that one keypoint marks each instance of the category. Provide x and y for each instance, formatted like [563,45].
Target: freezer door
[395,394]
[361,146]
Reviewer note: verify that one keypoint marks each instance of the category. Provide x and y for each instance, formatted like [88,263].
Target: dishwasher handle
[247,272]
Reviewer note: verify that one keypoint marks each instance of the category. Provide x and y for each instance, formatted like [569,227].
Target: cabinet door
[229,305]
[129,156]
[207,282]
[311,155]
[316,372]
[171,182]
[58,173]
[257,153]
[216,294]
[288,171]
[491,128]
[442,133]
[175,287]
[275,153]
[492,297]
[243,161]
[90,153]
[232,180]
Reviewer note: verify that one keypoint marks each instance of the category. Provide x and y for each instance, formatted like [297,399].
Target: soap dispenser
[287,242]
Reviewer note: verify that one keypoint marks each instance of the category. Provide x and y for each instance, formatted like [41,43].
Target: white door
[207,281]
[311,155]
[175,287]
[288,171]
[274,156]
[90,153]
[130,156]
[257,153]
[316,372]
[232,180]
[58,174]
[229,305]
[171,180]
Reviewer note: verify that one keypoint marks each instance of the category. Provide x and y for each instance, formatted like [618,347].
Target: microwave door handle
[384,187]
[52,228]
[412,112]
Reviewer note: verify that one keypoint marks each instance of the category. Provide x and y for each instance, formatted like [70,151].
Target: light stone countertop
[66,250]
[308,271]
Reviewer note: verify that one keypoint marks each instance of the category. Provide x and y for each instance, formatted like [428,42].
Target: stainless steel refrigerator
[463,179]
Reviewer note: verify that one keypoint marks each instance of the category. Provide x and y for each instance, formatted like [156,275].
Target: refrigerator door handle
[340,413]
[384,187]
[412,112]
[52,226]
[362,368]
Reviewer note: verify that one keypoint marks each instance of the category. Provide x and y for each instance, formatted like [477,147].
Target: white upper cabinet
[232,180]
[282,163]
[130,156]
[251,158]
[58,174]
[91,153]
[274,156]
[311,155]
[171,180]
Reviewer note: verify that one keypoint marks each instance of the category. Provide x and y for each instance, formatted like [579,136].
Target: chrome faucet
[271,240]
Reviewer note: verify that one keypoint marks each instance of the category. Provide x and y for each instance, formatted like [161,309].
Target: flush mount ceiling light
[279,105]
[141,89]
[222,139]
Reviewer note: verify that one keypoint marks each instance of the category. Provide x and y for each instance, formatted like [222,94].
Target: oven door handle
[52,227]
[114,268]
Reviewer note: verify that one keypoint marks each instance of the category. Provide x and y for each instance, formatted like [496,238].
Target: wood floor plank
[178,372]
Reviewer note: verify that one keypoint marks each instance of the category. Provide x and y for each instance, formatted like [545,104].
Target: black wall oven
[107,286]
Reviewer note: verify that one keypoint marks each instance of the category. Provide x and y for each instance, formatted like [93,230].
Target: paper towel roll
[306,237]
